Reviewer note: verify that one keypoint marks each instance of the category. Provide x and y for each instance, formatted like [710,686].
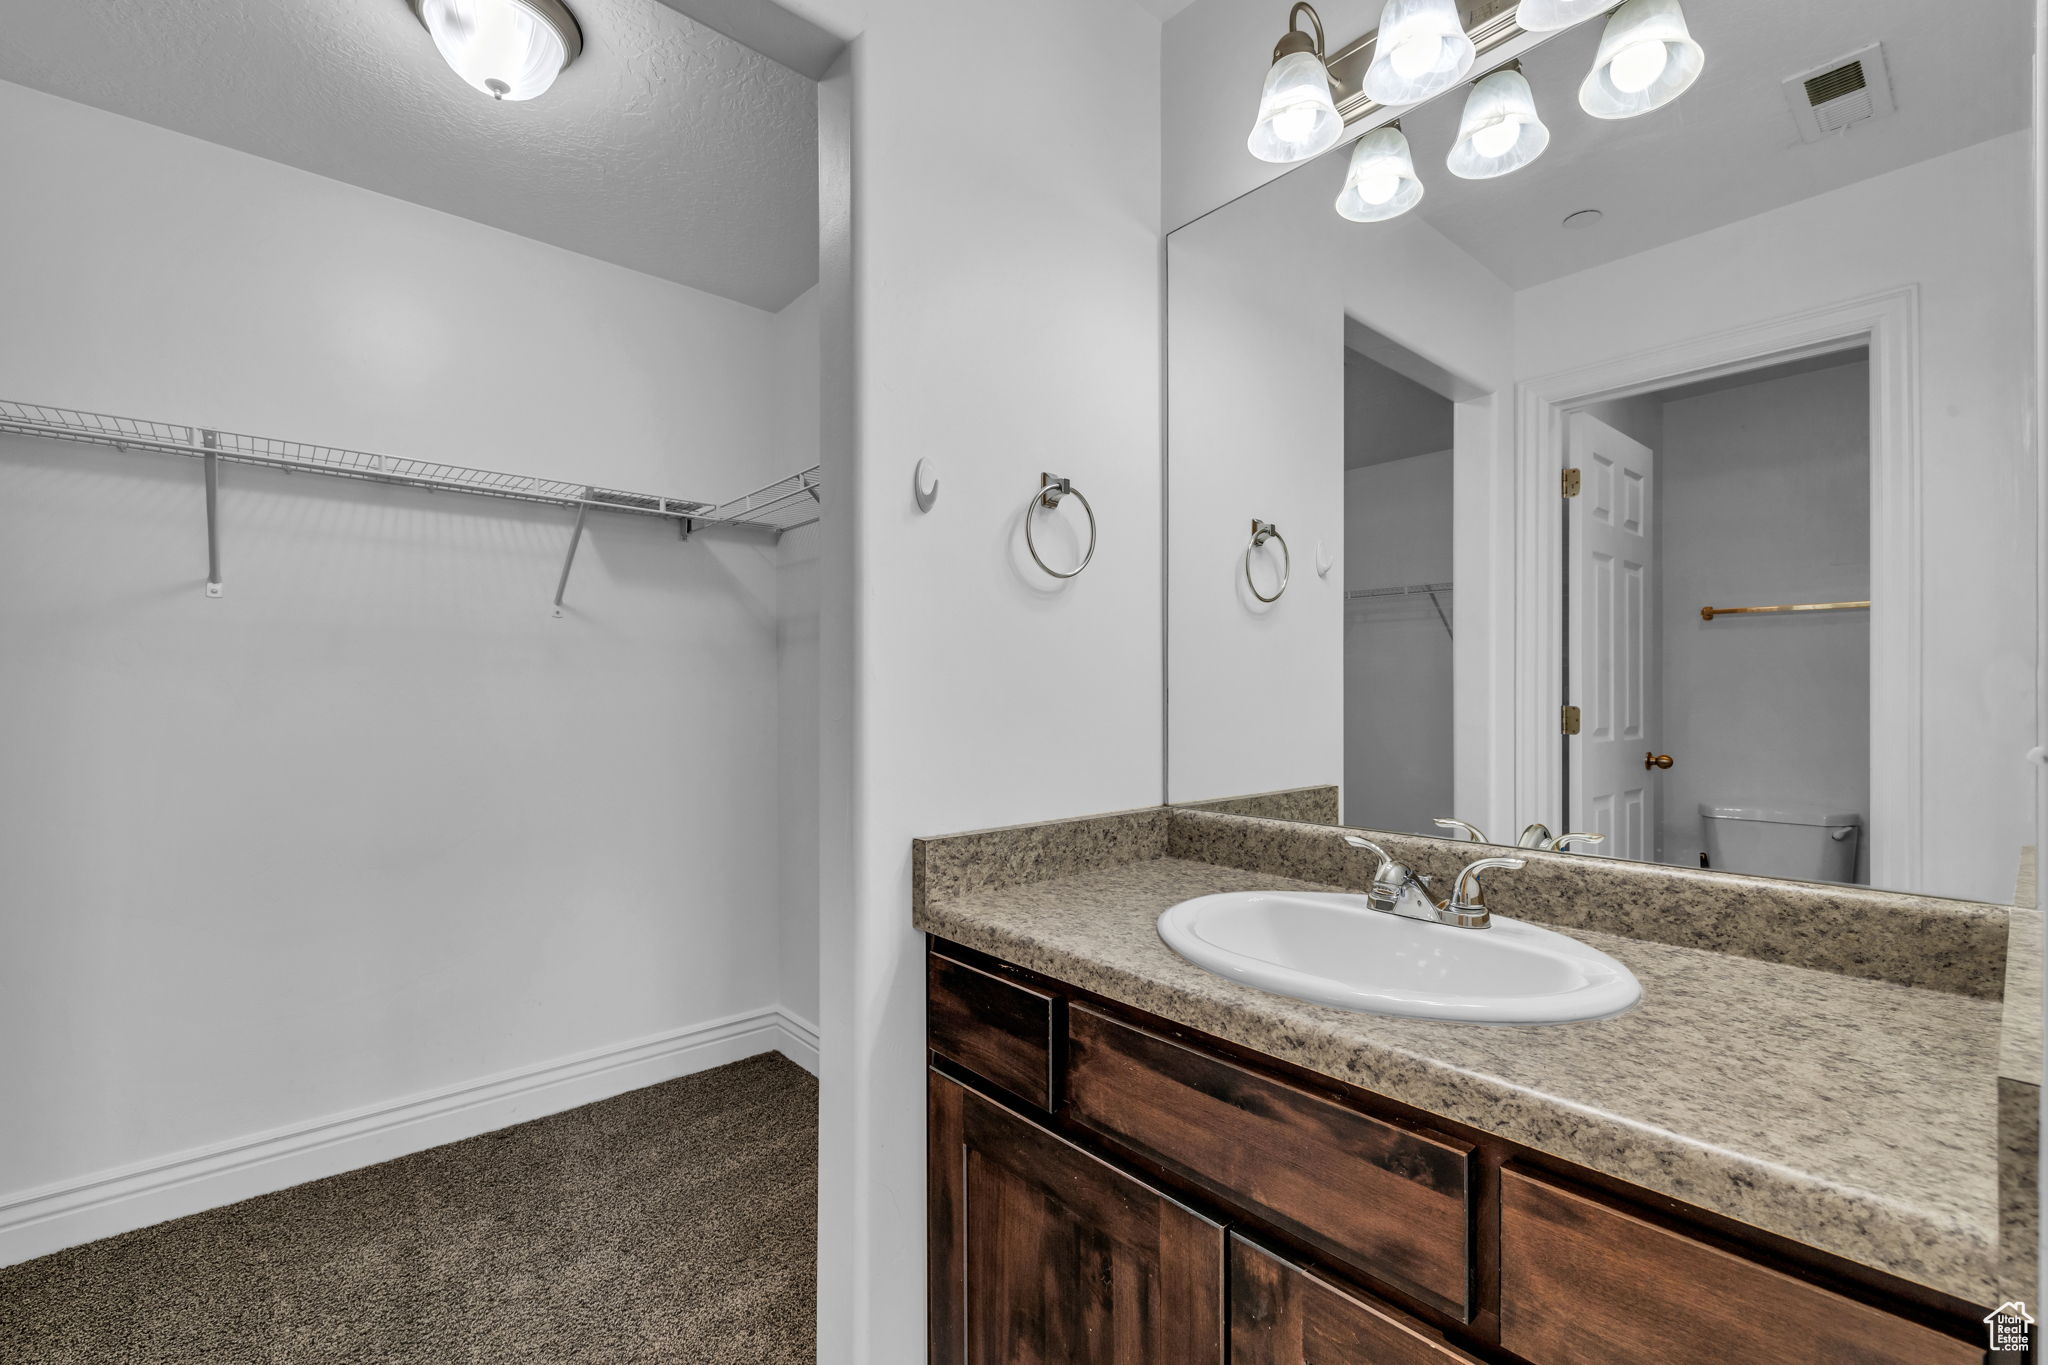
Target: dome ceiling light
[508,49]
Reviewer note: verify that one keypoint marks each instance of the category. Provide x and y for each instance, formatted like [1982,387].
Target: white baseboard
[38,1221]
[799,1041]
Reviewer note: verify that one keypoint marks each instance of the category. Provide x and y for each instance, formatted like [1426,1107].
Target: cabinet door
[1044,1255]
[1281,1314]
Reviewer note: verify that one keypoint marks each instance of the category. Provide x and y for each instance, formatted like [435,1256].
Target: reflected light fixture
[1500,131]
[1547,16]
[1647,59]
[1381,182]
[508,49]
[1297,118]
[1422,50]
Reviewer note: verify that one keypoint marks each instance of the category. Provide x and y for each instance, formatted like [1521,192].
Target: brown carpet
[672,1224]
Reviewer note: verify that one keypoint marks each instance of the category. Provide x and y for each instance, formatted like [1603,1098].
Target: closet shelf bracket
[210,442]
[569,560]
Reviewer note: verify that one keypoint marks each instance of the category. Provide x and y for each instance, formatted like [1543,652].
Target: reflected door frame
[1889,324]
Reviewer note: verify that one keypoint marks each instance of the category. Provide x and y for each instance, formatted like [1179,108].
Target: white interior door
[1612,656]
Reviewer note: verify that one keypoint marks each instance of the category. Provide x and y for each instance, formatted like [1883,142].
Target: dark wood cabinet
[994,1027]
[1388,1201]
[1585,1283]
[1109,1188]
[1042,1254]
[1281,1314]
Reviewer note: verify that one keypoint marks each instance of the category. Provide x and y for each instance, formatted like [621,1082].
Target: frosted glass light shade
[1422,50]
[1500,131]
[508,49]
[1647,59]
[1297,118]
[1381,183]
[1546,16]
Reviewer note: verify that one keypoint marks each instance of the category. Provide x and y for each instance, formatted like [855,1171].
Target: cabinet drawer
[997,1029]
[1281,1314]
[1585,1283]
[1388,1201]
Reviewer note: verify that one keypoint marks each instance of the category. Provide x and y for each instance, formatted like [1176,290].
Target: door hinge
[1570,482]
[1568,720]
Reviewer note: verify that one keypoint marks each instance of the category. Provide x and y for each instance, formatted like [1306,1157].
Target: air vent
[1854,89]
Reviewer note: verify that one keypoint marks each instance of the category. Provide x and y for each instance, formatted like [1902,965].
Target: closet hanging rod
[771,508]
[1709,613]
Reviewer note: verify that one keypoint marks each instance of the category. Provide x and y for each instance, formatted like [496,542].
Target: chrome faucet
[1538,836]
[1397,890]
[1472,833]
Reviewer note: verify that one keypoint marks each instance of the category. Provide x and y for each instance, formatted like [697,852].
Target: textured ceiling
[1727,149]
[666,148]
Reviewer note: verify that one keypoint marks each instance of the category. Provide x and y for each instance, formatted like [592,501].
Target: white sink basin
[1336,950]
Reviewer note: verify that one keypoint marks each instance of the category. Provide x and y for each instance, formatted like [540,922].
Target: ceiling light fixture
[1381,182]
[1297,118]
[1500,131]
[508,49]
[1422,50]
[1547,16]
[1647,59]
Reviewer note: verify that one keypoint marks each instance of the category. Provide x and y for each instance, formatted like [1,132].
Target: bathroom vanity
[1788,1152]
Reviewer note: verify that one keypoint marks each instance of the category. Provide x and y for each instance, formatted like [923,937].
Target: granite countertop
[1852,1115]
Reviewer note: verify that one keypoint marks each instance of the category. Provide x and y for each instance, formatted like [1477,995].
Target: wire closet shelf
[1435,592]
[782,506]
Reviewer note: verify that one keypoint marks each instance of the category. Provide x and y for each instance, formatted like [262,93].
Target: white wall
[374,824]
[1398,726]
[1957,226]
[1004,290]
[1255,400]
[1763,495]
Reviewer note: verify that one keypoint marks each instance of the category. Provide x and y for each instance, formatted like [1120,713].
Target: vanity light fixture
[1500,131]
[1381,183]
[1547,16]
[1297,118]
[1647,59]
[508,49]
[1422,50]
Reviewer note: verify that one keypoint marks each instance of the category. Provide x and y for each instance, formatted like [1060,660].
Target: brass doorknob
[1653,760]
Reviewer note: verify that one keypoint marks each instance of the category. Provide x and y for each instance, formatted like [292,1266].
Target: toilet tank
[1814,843]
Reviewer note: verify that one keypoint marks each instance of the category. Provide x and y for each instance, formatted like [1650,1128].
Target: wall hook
[924,485]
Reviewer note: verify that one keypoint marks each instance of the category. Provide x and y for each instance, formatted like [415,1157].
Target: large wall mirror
[1674,487]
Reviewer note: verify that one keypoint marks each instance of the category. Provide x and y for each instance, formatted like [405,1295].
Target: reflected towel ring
[1263,531]
[1050,490]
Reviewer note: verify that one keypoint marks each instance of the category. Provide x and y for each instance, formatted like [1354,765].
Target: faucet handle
[1563,842]
[1534,836]
[1471,831]
[1468,909]
[1369,846]
[1389,879]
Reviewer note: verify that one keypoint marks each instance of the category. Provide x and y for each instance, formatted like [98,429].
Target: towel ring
[1051,489]
[1263,531]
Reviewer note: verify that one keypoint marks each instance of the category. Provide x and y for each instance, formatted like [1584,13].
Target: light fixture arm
[1296,40]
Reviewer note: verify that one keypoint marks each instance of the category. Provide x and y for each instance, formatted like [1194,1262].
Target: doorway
[1399,598]
[1717,642]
